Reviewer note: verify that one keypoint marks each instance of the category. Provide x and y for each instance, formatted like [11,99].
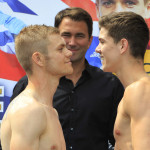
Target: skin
[131,129]
[105,7]
[75,34]
[59,52]
[43,131]
[110,53]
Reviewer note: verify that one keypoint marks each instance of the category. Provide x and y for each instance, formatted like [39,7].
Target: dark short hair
[76,14]
[130,26]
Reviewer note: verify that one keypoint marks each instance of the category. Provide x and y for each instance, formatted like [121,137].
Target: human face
[108,50]
[75,34]
[58,60]
[105,7]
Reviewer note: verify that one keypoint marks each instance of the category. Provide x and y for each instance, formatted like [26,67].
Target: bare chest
[122,131]
[53,138]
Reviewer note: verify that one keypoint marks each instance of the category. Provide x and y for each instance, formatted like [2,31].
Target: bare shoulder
[136,96]
[139,88]
[25,104]
[26,112]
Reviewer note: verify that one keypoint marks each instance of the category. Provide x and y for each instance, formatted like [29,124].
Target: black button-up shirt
[87,110]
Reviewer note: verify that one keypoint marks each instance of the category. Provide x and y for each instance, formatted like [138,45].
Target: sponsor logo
[1,106]
[1,91]
[95,55]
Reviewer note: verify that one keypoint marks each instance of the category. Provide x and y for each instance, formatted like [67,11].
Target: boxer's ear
[38,58]
[124,45]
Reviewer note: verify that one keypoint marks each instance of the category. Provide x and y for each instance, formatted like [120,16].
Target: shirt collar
[91,70]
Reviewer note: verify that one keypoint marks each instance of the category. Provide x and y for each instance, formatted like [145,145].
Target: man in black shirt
[86,100]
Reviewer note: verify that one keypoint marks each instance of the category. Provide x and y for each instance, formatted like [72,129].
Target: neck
[131,72]
[42,88]
[78,68]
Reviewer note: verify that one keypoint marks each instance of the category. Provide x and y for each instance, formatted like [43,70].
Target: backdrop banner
[15,15]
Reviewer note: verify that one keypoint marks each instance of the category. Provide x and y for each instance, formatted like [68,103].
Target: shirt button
[72,109]
[72,92]
[71,129]
[70,147]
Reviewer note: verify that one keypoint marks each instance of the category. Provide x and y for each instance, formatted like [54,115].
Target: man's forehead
[104,34]
[103,31]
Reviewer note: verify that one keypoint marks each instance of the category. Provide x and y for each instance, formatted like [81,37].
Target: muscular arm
[140,132]
[139,112]
[27,127]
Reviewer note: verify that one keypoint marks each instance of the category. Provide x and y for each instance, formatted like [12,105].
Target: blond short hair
[31,39]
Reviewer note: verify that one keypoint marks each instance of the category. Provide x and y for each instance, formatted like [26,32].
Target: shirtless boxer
[123,40]
[32,123]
